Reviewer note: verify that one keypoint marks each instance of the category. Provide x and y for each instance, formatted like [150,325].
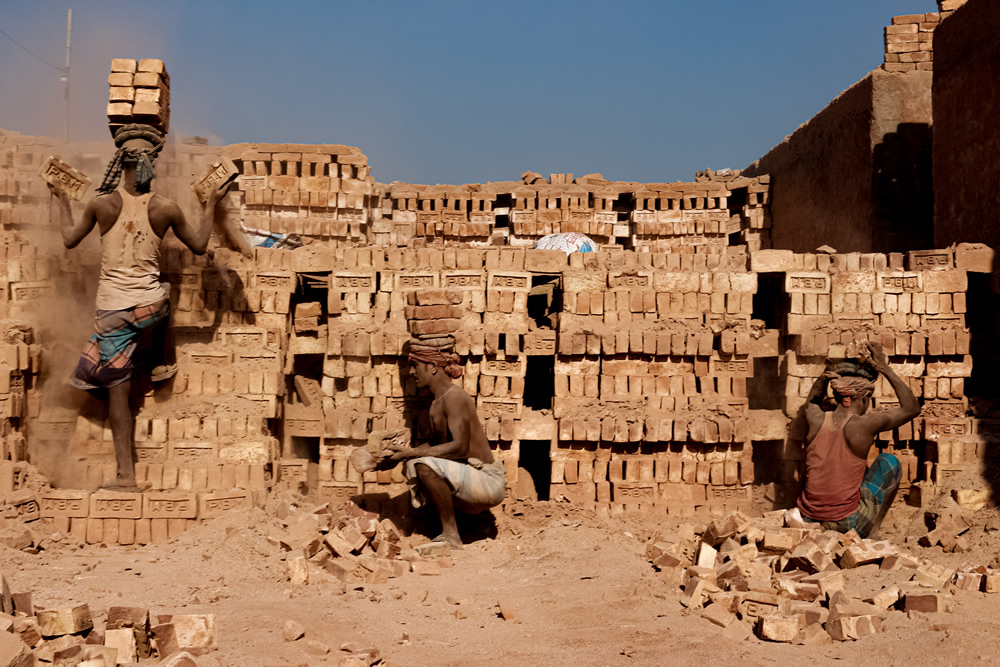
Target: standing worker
[130,297]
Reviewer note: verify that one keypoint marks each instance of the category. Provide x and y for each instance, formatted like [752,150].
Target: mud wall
[967,113]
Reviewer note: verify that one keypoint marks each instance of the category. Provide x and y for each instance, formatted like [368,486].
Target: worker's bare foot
[163,372]
[454,541]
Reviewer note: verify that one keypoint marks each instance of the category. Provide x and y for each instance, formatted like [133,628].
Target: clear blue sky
[454,92]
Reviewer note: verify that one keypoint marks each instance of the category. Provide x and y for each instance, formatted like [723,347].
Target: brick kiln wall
[657,356]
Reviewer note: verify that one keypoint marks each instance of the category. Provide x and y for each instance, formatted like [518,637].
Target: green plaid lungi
[107,357]
[879,483]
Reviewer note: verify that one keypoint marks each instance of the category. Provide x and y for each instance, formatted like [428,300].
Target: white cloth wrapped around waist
[475,482]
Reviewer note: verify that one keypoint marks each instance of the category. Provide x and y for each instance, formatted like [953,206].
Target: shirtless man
[841,491]
[130,297]
[461,471]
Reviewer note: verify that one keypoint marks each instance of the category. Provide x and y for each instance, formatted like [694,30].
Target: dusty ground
[580,586]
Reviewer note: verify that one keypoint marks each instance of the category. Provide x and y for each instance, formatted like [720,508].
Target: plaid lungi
[879,483]
[475,482]
[107,358]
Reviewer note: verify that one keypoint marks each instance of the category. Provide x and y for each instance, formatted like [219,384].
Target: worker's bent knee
[425,472]
[889,465]
[470,508]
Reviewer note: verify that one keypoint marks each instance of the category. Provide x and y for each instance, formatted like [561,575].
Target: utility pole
[69,31]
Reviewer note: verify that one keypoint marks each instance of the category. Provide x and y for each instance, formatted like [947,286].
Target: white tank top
[130,258]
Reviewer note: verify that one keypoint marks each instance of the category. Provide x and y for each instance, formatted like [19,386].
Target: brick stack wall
[915,306]
[288,362]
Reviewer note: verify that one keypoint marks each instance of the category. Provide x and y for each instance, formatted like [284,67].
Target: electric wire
[30,53]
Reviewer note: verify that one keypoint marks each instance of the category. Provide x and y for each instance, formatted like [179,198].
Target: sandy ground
[581,591]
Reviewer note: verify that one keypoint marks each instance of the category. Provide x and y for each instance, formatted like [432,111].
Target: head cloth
[848,388]
[445,359]
[143,156]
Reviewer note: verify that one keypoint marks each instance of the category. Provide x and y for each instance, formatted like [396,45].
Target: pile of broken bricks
[352,544]
[71,636]
[787,584]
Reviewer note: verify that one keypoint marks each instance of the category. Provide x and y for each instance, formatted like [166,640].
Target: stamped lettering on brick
[192,451]
[631,494]
[510,281]
[283,280]
[499,408]
[354,282]
[338,492]
[169,505]
[26,505]
[540,343]
[930,259]
[416,280]
[818,283]
[630,279]
[462,280]
[32,291]
[211,505]
[936,428]
[894,283]
[304,427]
[502,367]
[112,505]
[55,503]
[734,367]
[293,471]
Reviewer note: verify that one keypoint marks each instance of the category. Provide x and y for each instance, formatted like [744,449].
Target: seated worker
[460,472]
[841,491]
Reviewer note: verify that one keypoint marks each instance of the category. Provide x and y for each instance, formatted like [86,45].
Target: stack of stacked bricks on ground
[909,41]
[638,378]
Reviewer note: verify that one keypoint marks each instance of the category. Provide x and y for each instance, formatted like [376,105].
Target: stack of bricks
[114,517]
[654,217]
[323,192]
[673,215]
[19,368]
[23,195]
[651,373]
[909,42]
[916,312]
[139,93]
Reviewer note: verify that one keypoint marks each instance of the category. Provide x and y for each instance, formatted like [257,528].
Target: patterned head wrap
[848,388]
[438,350]
[449,361]
[142,155]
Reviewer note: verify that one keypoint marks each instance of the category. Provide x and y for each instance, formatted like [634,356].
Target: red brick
[433,312]
[434,297]
[422,327]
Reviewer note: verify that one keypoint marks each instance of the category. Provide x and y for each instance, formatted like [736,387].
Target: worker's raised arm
[73,233]
[909,407]
[195,238]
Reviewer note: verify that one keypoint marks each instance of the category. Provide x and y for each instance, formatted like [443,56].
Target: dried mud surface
[579,587]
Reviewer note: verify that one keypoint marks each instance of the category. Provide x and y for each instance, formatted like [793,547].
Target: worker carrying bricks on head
[460,472]
[841,491]
[131,298]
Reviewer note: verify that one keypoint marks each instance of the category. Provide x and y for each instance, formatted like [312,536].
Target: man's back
[130,252]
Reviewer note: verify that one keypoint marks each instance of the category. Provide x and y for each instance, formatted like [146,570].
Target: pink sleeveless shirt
[833,475]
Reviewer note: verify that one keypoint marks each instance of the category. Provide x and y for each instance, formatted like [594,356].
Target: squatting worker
[130,297]
[460,472]
[841,491]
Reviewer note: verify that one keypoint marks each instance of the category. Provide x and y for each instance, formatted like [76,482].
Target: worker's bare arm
[73,233]
[814,404]
[230,224]
[195,238]
[874,423]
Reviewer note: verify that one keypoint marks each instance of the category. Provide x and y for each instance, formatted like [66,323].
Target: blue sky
[455,92]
